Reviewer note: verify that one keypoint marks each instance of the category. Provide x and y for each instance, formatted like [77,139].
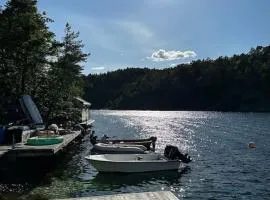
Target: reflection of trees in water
[25,173]
[22,175]
[18,177]
[114,181]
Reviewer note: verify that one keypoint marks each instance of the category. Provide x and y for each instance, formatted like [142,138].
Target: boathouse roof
[85,103]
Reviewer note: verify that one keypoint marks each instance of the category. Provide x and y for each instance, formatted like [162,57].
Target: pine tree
[65,78]
[25,46]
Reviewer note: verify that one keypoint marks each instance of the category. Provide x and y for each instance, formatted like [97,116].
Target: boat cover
[30,109]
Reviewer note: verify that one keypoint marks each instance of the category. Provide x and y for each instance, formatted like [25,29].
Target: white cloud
[163,55]
[98,68]
[138,31]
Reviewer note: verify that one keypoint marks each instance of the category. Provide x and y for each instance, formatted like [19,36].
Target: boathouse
[86,120]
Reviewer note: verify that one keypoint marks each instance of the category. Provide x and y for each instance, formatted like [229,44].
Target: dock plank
[159,195]
[4,149]
[22,150]
[3,152]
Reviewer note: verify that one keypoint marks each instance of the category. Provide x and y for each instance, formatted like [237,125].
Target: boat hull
[132,163]
[148,142]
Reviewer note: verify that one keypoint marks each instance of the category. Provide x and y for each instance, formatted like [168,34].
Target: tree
[239,83]
[65,77]
[25,46]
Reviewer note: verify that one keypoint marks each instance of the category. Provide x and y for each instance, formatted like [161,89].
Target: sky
[160,33]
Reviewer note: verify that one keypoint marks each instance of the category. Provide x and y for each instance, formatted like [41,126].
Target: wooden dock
[22,150]
[4,150]
[159,195]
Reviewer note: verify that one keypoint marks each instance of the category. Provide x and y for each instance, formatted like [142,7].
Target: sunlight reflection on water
[176,128]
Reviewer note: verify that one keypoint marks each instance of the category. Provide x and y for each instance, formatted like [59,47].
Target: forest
[237,83]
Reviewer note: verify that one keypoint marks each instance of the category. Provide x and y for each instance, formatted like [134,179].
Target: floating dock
[159,195]
[22,150]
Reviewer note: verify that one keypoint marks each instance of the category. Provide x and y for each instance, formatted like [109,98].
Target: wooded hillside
[238,83]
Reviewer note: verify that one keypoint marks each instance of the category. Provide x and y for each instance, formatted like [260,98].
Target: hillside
[237,83]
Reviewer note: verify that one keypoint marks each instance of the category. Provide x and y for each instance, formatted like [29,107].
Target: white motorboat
[171,160]
[119,148]
[149,143]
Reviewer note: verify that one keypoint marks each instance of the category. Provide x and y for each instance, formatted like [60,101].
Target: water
[223,166]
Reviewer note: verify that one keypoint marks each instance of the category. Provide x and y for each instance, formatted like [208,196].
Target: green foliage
[33,62]
[239,83]
[65,79]
[25,44]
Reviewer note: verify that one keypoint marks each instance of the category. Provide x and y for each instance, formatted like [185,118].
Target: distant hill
[237,83]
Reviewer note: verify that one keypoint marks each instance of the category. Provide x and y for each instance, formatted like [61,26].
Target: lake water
[223,166]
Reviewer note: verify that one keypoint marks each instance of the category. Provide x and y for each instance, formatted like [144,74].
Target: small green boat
[44,140]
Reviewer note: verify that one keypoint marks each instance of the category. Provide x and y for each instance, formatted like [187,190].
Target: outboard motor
[172,153]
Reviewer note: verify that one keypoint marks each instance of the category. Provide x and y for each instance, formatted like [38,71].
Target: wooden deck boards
[159,195]
[22,150]
[4,149]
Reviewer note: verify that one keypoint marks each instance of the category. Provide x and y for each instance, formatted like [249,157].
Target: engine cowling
[171,152]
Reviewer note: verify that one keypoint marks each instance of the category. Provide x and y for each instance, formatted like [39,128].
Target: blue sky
[160,33]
